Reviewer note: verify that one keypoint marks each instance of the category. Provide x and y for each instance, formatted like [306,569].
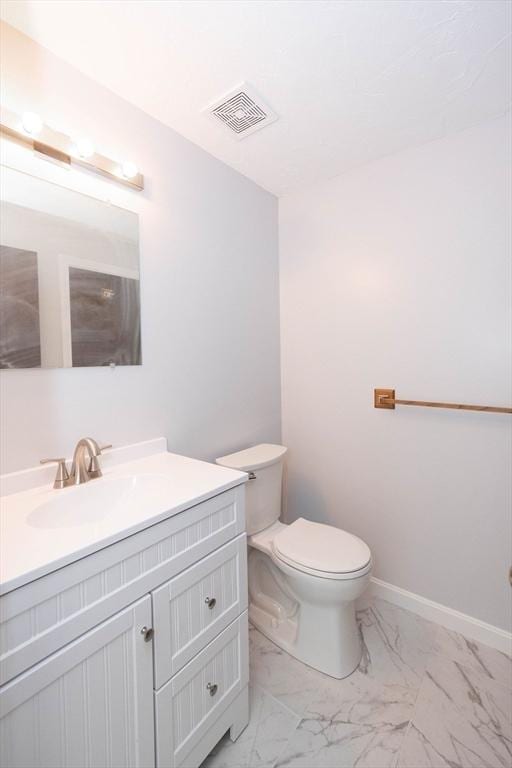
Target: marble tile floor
[422,697]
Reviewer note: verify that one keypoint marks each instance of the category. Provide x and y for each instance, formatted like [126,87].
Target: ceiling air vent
[242,111]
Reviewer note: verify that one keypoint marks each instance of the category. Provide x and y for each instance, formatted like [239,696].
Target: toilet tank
[264,463]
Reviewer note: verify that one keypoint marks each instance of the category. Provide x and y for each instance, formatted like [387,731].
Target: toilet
[305,577]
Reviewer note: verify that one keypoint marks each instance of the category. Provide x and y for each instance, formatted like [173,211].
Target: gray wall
[398,275]
[210,379]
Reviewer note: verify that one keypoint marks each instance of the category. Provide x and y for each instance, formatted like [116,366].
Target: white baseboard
[441,614]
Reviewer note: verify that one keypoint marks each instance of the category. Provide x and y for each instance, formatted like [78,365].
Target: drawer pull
[147,633]
[211,602]
[213,688]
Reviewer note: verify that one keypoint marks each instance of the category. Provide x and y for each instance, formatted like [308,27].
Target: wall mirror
[69,277]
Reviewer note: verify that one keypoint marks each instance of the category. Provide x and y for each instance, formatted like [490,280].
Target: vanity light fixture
[129,170]
[30,131]
[32,123]
[84,148]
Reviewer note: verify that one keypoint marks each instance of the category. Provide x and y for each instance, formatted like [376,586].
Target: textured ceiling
[351,81]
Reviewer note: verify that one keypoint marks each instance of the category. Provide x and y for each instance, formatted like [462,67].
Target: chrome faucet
[81,471]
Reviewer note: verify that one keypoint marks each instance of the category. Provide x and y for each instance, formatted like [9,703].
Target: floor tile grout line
[282,704]
[439,653]
[292,733]
[285,745]
[256,732]
[404,737]
[296,720]
[413,710]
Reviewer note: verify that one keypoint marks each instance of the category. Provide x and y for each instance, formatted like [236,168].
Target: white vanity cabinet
[135,655]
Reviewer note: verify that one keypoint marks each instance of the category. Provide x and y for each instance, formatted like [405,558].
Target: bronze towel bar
[385,398]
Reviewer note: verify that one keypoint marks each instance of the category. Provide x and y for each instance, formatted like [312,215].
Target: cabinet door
[87,706]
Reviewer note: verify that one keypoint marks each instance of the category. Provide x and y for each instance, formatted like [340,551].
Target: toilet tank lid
[257,457]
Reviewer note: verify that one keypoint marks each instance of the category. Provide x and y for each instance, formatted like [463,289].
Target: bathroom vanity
[123,614]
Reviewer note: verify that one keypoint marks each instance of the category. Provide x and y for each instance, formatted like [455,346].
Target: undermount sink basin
[98,499]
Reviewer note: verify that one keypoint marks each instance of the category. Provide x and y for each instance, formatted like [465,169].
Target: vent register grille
[242,111]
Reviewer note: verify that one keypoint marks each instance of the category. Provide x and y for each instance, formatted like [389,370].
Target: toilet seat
[321,550]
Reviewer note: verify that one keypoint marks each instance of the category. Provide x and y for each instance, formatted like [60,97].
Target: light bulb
[84,147]
[32,123]
[129,170]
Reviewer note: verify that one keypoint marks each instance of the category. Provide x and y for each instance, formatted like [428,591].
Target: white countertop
[29,550]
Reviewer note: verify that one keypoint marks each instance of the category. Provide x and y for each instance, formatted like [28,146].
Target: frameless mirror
[69,277]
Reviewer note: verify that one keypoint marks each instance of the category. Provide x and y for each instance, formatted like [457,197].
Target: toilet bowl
[305,577]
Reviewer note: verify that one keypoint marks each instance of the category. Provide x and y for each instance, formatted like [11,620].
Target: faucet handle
[94,468]
[62,476]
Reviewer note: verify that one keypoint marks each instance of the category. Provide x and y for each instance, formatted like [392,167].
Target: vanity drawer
[188,705]
[191,609]
[43,616]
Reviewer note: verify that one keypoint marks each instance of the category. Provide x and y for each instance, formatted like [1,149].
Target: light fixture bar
[59,146]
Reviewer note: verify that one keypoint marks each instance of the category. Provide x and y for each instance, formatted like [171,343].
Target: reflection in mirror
[69,277]
[20,345]
[104,318]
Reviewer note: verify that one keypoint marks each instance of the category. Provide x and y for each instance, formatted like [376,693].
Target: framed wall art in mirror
[69,277]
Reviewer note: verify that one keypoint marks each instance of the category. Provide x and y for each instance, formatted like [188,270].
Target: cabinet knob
[211,602]
[213,688]
[147,633]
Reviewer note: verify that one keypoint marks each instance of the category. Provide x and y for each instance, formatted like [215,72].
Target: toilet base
[311,619]
[283,635]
